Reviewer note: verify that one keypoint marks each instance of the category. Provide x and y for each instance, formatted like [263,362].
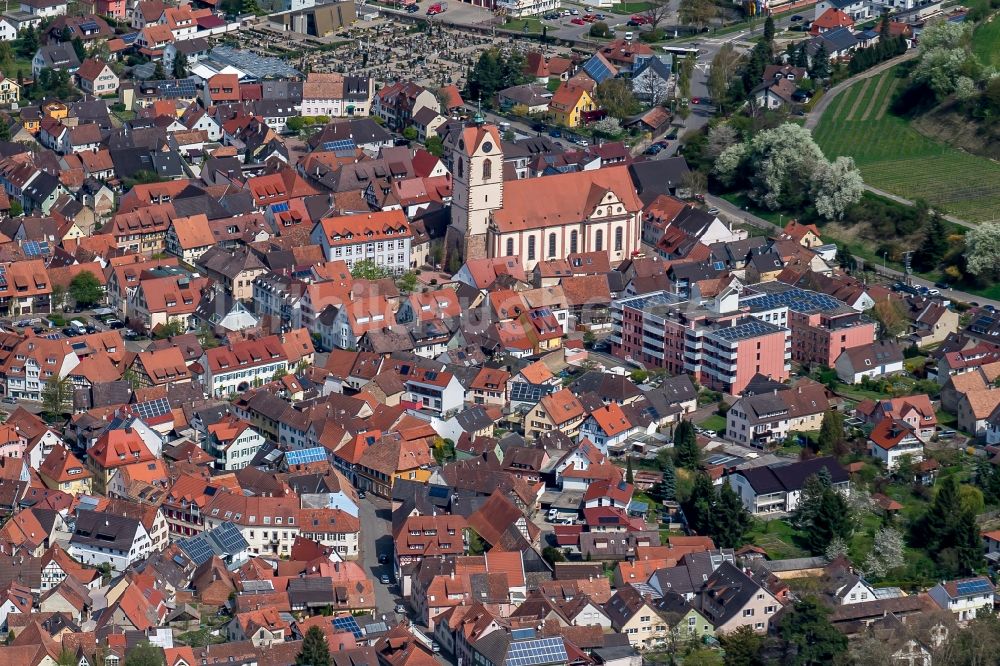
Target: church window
[572,242]
[510,247]
[531,248]
[599,240]
[552,245]
[459,168]
[487,169]
[619,239]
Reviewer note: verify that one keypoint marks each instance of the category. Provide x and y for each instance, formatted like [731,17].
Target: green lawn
[631,7]
[857,393]
[743,203]
[714,423]
[986,42]
[534,26]
[896,158]
[775,537]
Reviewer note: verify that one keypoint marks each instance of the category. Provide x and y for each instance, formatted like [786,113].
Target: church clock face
[487,147]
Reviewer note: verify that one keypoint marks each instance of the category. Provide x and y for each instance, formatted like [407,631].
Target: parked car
[796,18]
[633,24]
[578,21]
[384,579]
[639,19]
[654,149]
[362,494]
[115,323]
[412,9]
[713,211]
[574,12]
[942,285]
[400,609]
[435,648]
[989,308]
[10,400]
[933,292]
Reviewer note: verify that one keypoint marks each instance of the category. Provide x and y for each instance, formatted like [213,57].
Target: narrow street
[376,537]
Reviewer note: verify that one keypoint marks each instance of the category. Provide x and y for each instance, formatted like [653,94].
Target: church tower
[477,187]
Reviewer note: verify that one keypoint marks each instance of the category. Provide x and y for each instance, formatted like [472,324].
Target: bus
[682,51]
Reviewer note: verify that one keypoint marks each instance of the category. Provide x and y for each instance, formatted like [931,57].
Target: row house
[167,300]
[25,288]
[239,366]
[269,524]
[769,418]
[336,95]
[35,361]
[332,527]
[384,238]
[105,538]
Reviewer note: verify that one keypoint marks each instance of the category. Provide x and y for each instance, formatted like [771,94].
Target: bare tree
[697,12]
[656,13]
[725,66]
[651,88]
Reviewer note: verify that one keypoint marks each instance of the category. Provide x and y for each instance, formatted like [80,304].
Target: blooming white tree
[982,249]
[945,35]
[886,553]
[784,167]
[836,186]
[941,68]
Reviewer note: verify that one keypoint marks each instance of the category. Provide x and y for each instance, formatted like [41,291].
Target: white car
[574,12]
[933,292]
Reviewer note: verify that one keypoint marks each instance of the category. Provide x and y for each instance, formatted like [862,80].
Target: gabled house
[778,487]
[877,360]
[892,440]
[560,411]
[731,599]
[965,598]
[101,537]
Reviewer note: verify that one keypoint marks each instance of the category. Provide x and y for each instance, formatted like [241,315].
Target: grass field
[985,42]
[714,423]
[896,158]
[631,7]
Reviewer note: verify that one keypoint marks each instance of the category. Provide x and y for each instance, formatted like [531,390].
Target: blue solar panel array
[799,300]
[279,207]
[340,145]
[976,586]
[35,248]
[597,70]
[316,454]
[537,652]
[348,624]
[130,38]
[746,328]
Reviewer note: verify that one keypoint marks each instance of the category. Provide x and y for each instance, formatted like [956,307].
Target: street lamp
[884,255]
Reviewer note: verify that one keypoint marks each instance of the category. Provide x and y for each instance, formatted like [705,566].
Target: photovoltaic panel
[967,587]
[279,207]
[151,408]
[197,549]
[537,652]
[597,70]
[303,456]
[339,145]
[348,624]
[89,26]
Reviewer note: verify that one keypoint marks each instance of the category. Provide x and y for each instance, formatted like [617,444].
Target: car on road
[578,21]
[555,133]
[574,12]
[933,292]
[942,285]
[435,648]
[400,609]
[713,211]
[115,323]
[600,17]
[10,400]
[413,9]
[796,18]
[633,24]
[989,308]
[384,579]
[654,149]
[583,143]
[639,19]
[362,494]
[589,17]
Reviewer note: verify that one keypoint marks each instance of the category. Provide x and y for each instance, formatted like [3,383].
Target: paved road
[376,537]
[738,215]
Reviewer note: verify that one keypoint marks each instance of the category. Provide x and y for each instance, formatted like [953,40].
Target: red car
[578,21]
[589,18]
[640,19]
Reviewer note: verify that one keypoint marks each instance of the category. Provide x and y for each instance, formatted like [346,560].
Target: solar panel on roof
[35,248]
[972,587]
[151,409]
[89,26]
[348,624]
[129,38]
[536,652]
[339,145]
[279,207]
[438,491]
[304,456]
[197,549]
[597,70]
[376,628]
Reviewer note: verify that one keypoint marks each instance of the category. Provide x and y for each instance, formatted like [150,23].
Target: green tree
[982,250]
[66,658]
[742,647]
[407,282]
[699,510]
[57,395]
[721,75]
[732,521]
[27,42]
[820,69]
[410,133]
[934,529]
[809,500]
[629,474]
[180,67]
[145,654]
[315,649]
[616,97]
[810,639]
[85,289]
[79,48]
[66,35]
[666,489]
[686,446]
[832,521]
[934,246]
[158,72]
[600,29]
[831,433]
[250,7]
[170,329]
[696,12]
[367,269]
[769,28]
[434,146]
[968,546]
[891,317]
[553,555]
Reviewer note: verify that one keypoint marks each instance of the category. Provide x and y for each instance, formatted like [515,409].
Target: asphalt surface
[376,537]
